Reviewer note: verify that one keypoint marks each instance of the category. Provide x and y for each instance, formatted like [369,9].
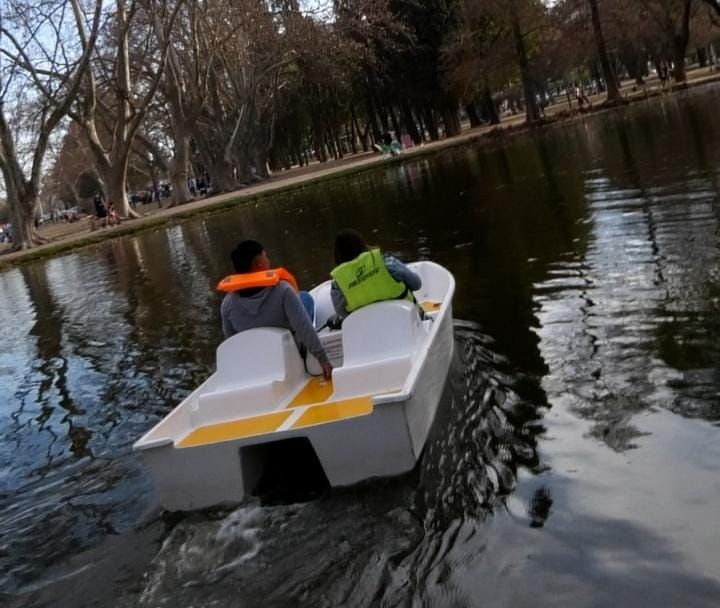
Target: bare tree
[44,67]
[72,163]
[115,98]
[673,18]
[172,91]
[532,108]
[613,91]
[230,62]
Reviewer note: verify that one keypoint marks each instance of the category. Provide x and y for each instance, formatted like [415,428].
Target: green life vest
[366,279]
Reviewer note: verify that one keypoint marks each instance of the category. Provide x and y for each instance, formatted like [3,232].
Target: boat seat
[379,343]
[381,330]
[256,370]
[264,353]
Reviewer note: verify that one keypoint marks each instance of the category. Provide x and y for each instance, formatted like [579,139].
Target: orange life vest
[263,278]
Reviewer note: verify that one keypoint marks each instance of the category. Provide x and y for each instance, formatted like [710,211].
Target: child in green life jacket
[363,275]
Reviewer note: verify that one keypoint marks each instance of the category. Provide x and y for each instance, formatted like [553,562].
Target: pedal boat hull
[371,421]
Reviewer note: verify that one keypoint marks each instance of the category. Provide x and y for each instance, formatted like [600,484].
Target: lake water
[575,458]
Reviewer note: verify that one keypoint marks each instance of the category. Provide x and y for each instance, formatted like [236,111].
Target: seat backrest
[323,304]
[259,355]
[381,330]
[435,281]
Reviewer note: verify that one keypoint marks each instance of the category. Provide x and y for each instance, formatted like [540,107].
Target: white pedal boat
[372,420]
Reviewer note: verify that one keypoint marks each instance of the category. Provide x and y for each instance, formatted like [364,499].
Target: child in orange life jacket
[278,305]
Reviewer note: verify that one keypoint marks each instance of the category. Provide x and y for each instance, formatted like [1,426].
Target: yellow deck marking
[431,306]
[317,390]
[332,412]
[225,431]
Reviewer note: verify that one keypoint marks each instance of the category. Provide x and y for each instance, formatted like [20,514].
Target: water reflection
[629,303]
[587,263]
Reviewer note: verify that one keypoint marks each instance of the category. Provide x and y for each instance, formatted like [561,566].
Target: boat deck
[282,420]
[309,406]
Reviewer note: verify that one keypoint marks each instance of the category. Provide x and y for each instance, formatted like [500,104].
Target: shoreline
[297,178]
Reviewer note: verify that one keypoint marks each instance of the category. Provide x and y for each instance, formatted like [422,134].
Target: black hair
[244,254]
[348,245]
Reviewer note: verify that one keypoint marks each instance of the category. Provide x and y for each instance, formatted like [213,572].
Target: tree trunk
[382,117]
[116,190]
[421,125]
[430,123]
[473,116]
[597,76]
[24,233]
[332,152]
[372,119]
[74,194]
[532,111]
[222,175]
[213,162]
[336,142]
[260,159]
[350,134]
[395,123]
[179,172]
[451,121]
[613,91]
[680,44]
[359,132]
[638,63]
[178,165]
[409,122]
[21,197]
[489,105]
[679,73]
[179,183]
[702,56]
[320,149]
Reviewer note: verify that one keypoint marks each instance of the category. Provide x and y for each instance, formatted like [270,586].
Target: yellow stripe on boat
[431,306]
[317,390]
[237,429]
[332,412]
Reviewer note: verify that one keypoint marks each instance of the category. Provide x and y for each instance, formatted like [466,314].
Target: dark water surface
[575,459]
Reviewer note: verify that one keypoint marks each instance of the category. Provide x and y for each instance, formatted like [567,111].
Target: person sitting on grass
[113,218]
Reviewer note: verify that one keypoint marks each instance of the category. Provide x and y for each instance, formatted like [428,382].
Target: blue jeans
[309,303]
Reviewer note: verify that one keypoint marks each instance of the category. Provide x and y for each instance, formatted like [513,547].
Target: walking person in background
[664,74]
[582,99]
[113,218]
